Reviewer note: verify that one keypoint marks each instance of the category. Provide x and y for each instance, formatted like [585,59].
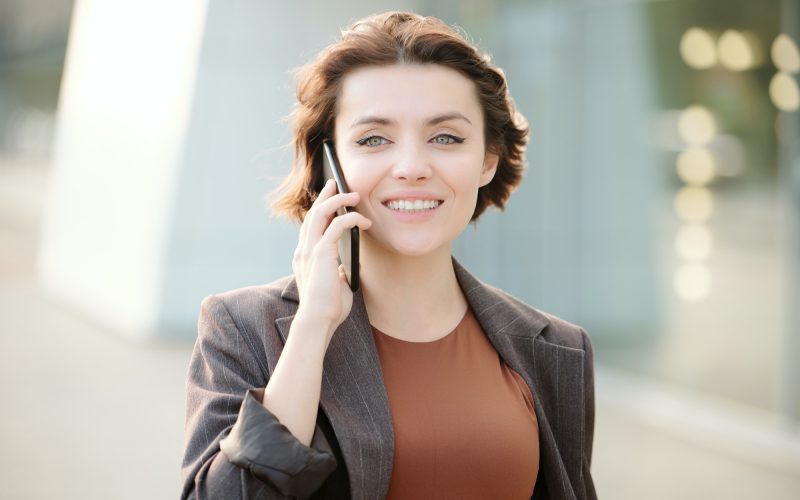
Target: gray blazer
[235,448]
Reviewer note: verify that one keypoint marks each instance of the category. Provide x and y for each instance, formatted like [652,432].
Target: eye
[372,141]
[445,139]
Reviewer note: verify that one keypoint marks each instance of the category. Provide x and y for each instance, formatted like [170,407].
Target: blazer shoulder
[566,334]
[251,305]
[557,331]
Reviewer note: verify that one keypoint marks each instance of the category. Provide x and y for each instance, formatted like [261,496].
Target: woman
[426,383]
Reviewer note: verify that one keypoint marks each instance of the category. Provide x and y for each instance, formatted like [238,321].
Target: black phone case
[331,170]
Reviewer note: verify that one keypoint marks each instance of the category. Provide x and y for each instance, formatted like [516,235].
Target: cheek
[469,196]
[362,179]
[464,177]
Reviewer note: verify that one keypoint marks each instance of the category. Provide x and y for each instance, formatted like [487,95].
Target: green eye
[445,139]
[372,141]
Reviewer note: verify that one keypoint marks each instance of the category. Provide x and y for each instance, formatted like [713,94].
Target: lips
[412,205]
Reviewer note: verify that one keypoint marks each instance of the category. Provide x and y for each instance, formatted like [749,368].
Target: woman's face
[410,140]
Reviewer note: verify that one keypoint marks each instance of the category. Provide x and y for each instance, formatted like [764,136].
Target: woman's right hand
[325,296]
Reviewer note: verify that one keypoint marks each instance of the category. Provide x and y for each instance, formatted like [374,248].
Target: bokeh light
[696,166]
[692,282]
[694,204]
[697,49]
[735,52]
[785,54]
[696,125]
[784,92]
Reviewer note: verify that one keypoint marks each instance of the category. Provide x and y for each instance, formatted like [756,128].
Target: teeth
[412,205]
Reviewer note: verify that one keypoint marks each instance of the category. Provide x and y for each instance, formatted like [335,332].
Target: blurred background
[660,210]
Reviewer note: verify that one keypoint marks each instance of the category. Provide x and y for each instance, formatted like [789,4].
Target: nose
[412,164]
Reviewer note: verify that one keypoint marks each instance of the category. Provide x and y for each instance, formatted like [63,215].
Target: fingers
[328,190]
[321,228]
[344,223]
[324,210]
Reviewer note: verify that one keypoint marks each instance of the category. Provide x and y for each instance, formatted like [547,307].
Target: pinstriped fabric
[244,333]
[229,359]
[548,353]
[223,367]
[354,399]
[558,367]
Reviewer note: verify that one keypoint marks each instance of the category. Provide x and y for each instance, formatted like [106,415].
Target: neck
[414,298]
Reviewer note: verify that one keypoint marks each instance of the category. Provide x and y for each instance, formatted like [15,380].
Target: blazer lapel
[559,375]
[353,394]
[553,373]
[354,399]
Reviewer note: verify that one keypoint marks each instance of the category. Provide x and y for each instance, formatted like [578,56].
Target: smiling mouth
[411,206]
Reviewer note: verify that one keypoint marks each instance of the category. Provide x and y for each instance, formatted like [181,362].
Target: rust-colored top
[464,423]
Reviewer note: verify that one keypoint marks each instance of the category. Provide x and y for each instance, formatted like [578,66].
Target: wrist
[313,325]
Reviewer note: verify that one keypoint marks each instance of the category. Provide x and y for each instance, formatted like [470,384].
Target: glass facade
[660,208]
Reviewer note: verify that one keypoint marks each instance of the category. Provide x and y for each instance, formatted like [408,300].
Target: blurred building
[33,36]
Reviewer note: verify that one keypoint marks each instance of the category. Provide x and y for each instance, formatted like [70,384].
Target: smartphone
[348,243]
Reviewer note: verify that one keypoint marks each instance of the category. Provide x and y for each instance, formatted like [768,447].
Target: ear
[490,161]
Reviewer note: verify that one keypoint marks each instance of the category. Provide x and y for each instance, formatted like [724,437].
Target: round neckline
[427,342]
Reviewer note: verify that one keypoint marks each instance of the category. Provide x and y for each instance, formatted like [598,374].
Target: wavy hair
[398,38]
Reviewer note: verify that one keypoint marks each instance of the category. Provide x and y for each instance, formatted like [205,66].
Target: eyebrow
[379,120]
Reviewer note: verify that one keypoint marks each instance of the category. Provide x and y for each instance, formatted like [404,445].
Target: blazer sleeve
[588,433]
[234,447]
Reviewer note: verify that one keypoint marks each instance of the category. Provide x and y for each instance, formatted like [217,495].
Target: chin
[414,249]
[409,247]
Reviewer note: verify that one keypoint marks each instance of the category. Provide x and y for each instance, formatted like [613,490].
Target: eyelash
[454,140]
[365,140]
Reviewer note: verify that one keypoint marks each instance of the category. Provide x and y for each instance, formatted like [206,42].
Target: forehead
[406,92]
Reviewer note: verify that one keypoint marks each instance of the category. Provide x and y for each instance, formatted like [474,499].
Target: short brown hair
[397,38]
